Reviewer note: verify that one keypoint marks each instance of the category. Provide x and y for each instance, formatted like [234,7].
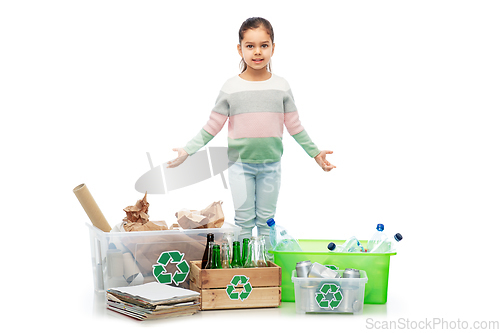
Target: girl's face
[256,48]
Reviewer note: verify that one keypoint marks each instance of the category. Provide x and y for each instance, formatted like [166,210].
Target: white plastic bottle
[377,241]
[350,246]
[280,239]
[389,245]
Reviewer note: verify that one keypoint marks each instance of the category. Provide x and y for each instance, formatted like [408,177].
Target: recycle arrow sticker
[160,270]
[243,294]
[329,296]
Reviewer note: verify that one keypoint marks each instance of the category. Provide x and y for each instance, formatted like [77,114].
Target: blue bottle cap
[398,237]
[380,227]
[332,246]
[271,222]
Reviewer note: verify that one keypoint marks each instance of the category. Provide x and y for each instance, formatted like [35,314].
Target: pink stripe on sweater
[215,123]
[256,125]
[292,123]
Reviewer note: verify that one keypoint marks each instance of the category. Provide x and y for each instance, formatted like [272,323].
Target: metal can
[302,268]
[351,273]
[350,292]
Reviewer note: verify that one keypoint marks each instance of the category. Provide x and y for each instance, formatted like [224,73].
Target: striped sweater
[256,111]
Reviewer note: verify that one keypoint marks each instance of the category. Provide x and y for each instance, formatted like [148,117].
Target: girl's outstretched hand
[178,161]
[323,163]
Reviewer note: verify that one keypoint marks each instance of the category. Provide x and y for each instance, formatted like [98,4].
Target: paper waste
[153,301]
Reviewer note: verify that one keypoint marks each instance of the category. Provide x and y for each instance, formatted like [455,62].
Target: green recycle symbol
[160,271]
[329,296]
[235,281]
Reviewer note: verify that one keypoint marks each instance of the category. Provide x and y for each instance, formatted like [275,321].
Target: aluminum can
[350,292]
[351,273]
[302,268]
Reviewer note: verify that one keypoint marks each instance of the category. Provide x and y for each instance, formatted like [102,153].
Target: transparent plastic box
[130,258]
[329,295]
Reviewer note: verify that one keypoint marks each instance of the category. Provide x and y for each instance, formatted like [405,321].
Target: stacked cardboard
[153,301]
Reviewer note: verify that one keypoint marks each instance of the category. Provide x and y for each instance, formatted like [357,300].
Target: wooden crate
[225,289]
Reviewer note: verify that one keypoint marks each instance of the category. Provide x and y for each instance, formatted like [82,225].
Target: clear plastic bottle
[394,243]
[280,239]
[350,246]
[389,245]
[377,241]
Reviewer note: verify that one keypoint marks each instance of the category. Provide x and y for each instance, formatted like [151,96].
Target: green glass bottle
[245,252]
[236,262]
[216,263]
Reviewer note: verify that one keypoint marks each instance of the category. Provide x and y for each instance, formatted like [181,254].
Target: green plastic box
[376,266]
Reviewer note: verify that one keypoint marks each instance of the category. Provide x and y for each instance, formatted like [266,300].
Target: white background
[405,93]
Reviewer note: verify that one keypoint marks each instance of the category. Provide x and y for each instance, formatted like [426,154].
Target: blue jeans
[255,189]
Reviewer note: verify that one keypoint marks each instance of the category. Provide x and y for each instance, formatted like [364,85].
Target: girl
[257,103]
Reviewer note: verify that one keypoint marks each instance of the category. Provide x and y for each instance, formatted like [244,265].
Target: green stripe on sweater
[255,150]
[305,141]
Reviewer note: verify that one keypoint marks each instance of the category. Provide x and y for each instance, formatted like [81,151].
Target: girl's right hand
[179,160]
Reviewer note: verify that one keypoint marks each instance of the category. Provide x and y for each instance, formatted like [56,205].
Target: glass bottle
[236,262]
[228,237]
[208,264]
[210,238]
[225,254]
[256,256]
[245,251]
[216,263]
[260,252]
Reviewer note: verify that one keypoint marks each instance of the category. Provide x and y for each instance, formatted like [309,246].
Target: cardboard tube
[89,205]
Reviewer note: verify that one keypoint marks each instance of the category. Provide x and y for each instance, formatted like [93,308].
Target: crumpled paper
[210,217]
[138,219]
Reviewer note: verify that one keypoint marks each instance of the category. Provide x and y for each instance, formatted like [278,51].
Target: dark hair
[254,23]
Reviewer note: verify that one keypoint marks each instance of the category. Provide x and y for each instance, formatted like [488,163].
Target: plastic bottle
[389,245]
[394,243]
[377,240]
[350,246]
[280,239]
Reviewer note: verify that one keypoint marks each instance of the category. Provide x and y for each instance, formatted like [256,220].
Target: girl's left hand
[323,163]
